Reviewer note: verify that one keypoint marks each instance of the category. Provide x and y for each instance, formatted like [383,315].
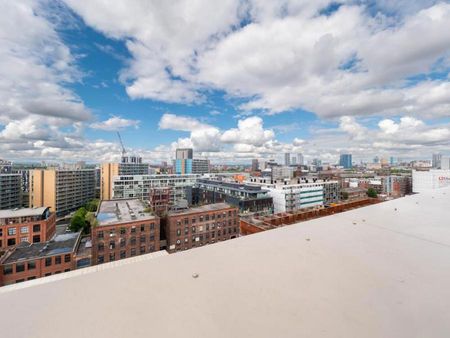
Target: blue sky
[235,81]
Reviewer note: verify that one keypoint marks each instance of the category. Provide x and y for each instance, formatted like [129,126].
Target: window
[133,229]
[48,261]
[133,252]
[142,239]
[20,267]
[58,260]
[142,250]
[11,231]
[229,213]
[178,232]
[100,259]
[178,242]
[66,258]
[193,220]
[24,230]
[186,240]
[207,227]
[100,246]
[133,241]
[142,228]
[201,219]
[123,254]
[152,248]
[186,230]
[112,257]
[100,235]
[11,241]
[112,232]
[7,269]
[186,221]
[152,226]
[1,232]
[213,216]
[36,238]
[193,229]
[123,231]
[152,237]
[23,239]
[31,265]
[206,217]
[122,242]
[36,228]
[112,245]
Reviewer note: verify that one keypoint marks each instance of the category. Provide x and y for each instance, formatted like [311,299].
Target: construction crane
[121,143]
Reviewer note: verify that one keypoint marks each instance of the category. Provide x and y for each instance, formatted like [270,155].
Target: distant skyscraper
[391,160]
[186,164]
[445,162]
[345,161]
[300,159]
[255,165]
[287,158]
[436,161]
[294,160]
[184,154]
[376,159]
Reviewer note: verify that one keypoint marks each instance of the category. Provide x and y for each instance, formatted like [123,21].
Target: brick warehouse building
[124,229]
[30,261]
[32,225]
[200,226]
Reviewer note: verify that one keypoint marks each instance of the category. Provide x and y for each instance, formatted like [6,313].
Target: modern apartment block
[129,165]
[345,161]
[185,163]
[10,191]
[5,167]
[124,229]
[290,195]
[200,226]
[60,189]
[423,181]
[165,191]
[248,198]
[31,225]
[34,260]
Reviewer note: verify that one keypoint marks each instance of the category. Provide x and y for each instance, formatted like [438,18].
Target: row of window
[12,241]
[122,242]
[23,230]
[123,254]
[207,227]
[31,265]
[208,235]
[46,275]
[124,231]
[207,217]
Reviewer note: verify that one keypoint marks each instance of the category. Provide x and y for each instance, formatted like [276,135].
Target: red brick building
[200,226]
[32,225]
[29,261]
[124,229]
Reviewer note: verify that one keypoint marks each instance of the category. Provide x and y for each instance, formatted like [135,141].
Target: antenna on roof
[121,144]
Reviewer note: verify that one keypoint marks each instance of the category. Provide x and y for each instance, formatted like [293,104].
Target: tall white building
[287,159]
[436,161]
[300,159]
[445,162]
[432,179]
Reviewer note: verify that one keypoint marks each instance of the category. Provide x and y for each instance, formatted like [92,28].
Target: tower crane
[121,143]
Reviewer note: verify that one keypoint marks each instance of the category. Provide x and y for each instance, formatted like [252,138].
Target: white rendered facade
[432,179]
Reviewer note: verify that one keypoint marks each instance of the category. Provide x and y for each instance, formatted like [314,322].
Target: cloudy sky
[233,79]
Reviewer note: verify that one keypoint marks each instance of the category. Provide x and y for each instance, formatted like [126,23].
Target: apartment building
[128,165]
[200,226]
[290,195]
[34,260]
[10,191]
[248,198]
[164,191]
[431,179]
[62,190]
[30,225]
[124,229]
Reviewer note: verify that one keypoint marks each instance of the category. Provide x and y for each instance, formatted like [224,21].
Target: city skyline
[257,80]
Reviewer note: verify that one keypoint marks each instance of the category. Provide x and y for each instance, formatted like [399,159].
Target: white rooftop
[378,271]
[22,212]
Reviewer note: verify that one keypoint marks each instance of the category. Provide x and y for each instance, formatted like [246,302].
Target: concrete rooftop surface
[377,271]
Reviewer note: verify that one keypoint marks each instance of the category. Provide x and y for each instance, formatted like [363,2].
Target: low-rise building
[31,225]
[430,179]
[249,198]
[34,260]
[290,195]
[124,228]
[200,226]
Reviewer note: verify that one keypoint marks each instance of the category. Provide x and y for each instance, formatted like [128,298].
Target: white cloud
[115,123]
[250,131]
[287,56]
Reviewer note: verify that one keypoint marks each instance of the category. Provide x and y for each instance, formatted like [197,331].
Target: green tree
[372,193]
[77,223]
[92,205]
